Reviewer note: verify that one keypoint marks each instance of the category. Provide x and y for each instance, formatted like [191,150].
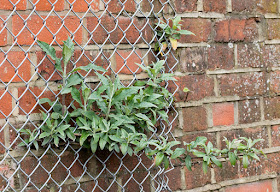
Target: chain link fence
[114,34]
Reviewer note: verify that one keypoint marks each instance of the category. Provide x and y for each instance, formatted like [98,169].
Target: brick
[35,24]
[13,60]
[250,55]
[243,5]
[248,84]
[267,6]
[129,58]
[5,103]
[223,114]
[192,137]
[271,55]
[249,111]
[260,186]
[155,6]
[47,5]
[218,6]
[236,30]
[196,177]
[275,135]
[99,35]
[115,6]
[272,108]
[220,57]
[6,172]
[140,182]
[193,59]
[200,27]
[83,6]
[174,177]
[8,4]
[2,144]
[200,86]
[195,119]
[227,172]
[273,29]
[253,133]
[29,103]
[274,83]
[182,6]
[3,32]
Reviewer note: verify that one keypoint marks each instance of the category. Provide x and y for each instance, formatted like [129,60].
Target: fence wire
[113,34]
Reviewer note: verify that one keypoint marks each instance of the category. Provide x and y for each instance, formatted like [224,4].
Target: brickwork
[231,67]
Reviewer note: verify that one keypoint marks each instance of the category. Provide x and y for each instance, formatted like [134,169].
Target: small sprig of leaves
[170,33]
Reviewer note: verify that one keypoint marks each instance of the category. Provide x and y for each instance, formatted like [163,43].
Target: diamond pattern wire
[113,34]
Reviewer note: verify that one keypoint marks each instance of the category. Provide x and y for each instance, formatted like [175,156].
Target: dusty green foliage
[125,118]
[170,33]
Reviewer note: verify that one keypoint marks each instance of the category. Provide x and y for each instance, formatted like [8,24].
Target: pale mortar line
[271,16]
[236,113]
[235,55]
[200,5]
[229,6]
[272,42]
[243,126]
[209,15]
[269,136]
[241,70]
[262,108]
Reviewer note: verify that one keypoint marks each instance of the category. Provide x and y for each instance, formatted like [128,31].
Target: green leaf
[84,137]
[253,155]
[89,67]
[46,100]
[188,162]
[55,115]
[35,143]
[166,162]
[124,147]
[102,143]
[216,161]
[245,161]
[44,134]
[158,159]
[93,145]
[186,90]
[177,153]
[74,79]
[56,141]
[199,154]
[185,32]
[204,167]
[76,96]
[68,50]
[70,135]
[232,158]
[66,90]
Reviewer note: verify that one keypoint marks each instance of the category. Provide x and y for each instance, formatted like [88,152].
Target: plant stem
[64,84]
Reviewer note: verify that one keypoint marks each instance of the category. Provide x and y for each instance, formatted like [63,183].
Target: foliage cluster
[124,119]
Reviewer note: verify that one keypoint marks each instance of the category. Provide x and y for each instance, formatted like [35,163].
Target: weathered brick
[259,186]
[274,83]
[248,84]
[220,57]
[215,6]
[174,177]
[200,27]
[267,6]
[275,136]
[223,114]
[200,86]
[193,59]
[47,5]
[272,108]
[15,67]
[249,111]
[28,101]
[140,182]
[3,32]
[6,172]
[54,23]
[125,61]
[155,6]
[115,6]
[271,55]
[227,172]
[9,4]
[182,6]
[99,35]
[250,55]
[253,133]
[273,29]
[243,5]
[236,30]
[83,6]
[195,119]
[5,103]
[196,177]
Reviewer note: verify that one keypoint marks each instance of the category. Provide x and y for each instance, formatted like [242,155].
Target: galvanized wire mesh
[111,33]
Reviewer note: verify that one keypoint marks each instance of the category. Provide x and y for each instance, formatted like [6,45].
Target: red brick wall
[231,67]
